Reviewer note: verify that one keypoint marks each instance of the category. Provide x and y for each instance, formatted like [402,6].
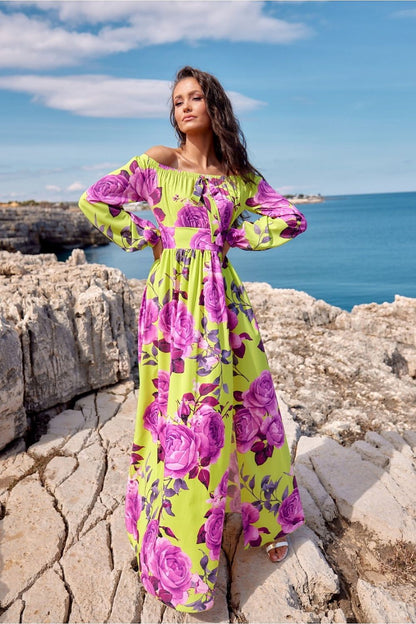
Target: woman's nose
[187,106]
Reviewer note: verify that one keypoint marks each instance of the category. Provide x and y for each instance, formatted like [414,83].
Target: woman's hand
[225,249]
[157,250]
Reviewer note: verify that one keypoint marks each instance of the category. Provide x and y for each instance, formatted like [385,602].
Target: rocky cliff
[347,387]
[45,227]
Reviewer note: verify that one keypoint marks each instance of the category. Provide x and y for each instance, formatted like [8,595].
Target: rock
[128,600]
[263,592]
[378,605]
[14,468]
[13,613]
[313,517]
[359,492]
[69,328]
[309,480]
[12,413]
[90,575]
[77,495]
[292,428]
[31,537]
[47,600]
[57,470]
[45,227]
[322,583]
[120,546]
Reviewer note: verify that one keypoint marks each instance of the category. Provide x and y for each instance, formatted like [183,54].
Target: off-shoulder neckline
[193,173]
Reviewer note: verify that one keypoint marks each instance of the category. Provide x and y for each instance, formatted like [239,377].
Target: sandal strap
[276,545]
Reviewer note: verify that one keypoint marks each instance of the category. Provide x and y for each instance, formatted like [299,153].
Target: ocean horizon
[357,249]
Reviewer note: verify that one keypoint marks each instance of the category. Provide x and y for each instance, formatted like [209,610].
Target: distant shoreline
[295,199]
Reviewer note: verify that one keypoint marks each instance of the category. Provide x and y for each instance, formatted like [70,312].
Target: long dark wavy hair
[229,141]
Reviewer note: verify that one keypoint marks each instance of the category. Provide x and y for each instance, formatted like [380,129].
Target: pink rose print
[148,547]
[144,182]
[181,450]
[148,317]
[260,398]
[290,515]
[163,381]
[177,326]
[202,240]
[151,419]
[213,532]
[272,428]
[236,237]
[249,515]
[214,298]
[112,189]
[246,425]
[209,428]
[167,236]
[268,199]
[133,508]
[192,216]
[173,570]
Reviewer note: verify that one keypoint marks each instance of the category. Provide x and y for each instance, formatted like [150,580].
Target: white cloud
[106,96]
[405,13]
[53,187]
[34,42]
[76,186]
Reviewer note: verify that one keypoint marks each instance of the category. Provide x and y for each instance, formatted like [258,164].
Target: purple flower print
[163,381]
[260,398]
[173,569]
[209,428]
[290,515]
[246,425]
[272,428]
[133,508]
[268,199]
[167,236]
[144,182]
[112,189]
[181,450]
[148,547]
[236,237]
[148,316]
[214,298]
[151,419]
[213,532]
[192,216]
[295,226]
[249,515]
[177,326]
[202,240]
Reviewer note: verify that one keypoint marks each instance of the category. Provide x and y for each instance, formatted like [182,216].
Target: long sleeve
[279,221]
[103,204]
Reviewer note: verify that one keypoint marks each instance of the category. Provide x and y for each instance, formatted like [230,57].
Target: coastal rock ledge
[346,383]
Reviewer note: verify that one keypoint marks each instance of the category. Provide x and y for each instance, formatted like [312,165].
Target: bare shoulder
[163,155]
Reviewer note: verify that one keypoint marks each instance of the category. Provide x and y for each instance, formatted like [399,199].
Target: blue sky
[325,91]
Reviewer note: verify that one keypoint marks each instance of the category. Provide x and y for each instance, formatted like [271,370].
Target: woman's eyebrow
[190,93]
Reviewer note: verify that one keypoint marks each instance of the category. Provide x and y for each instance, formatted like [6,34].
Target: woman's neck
[198,154]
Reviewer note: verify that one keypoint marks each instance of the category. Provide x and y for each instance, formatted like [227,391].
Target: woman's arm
[103,204]
[279,220]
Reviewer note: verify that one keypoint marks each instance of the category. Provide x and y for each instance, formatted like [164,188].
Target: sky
[325,91]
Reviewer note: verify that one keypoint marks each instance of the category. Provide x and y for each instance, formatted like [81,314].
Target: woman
[208,436]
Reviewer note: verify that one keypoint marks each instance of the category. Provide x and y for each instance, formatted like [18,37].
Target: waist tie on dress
[190,238]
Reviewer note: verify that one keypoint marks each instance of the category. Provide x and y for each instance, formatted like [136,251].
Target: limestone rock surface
[45,227]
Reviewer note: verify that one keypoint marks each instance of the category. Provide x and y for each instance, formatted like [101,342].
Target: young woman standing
[208,436]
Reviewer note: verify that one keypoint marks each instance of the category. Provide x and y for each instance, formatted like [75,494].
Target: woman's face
[191,113]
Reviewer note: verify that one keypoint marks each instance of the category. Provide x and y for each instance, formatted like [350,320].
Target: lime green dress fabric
[208,435]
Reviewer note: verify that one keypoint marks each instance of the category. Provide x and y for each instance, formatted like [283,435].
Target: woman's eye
[178,103]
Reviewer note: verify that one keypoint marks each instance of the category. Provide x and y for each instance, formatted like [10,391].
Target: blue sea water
[357,249]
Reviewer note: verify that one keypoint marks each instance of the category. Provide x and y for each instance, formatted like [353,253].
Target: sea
[357,249]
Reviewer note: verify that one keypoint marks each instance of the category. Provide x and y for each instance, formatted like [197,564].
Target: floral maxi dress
[208,435]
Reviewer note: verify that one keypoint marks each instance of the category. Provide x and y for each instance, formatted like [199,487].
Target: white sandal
[274,546]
